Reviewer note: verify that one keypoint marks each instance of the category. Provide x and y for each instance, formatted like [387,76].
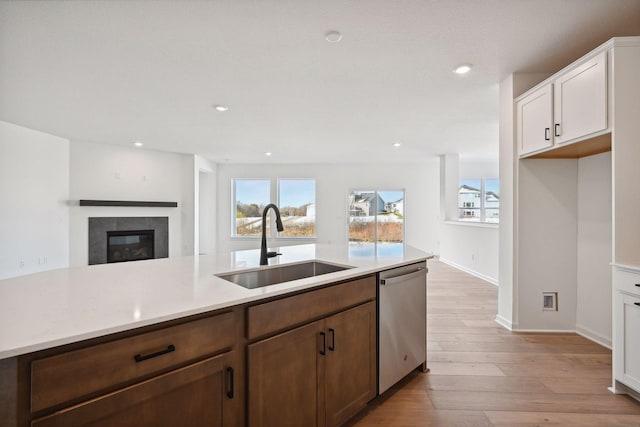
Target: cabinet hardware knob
[139,358]
[332,347]
[556,129]
[546,134]
[324,343]
[231,385]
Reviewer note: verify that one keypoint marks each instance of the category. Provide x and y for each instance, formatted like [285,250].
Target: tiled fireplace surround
[98,227]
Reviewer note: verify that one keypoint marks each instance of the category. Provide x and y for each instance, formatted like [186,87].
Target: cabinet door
[192,396]
[351,362]
[628,356]
[580,100]
[285,372]
[534,121]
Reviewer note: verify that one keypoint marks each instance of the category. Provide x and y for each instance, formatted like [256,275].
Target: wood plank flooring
[484,375]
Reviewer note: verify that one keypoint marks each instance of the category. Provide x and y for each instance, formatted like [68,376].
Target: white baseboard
[471,272]
[594,336]
[504,322]
[545,331]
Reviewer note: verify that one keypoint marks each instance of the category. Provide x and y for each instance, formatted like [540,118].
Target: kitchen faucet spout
[264,255]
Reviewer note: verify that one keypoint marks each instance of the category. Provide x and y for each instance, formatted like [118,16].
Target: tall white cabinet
[590,107]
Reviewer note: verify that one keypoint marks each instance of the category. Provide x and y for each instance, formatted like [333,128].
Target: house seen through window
[479,200]
[296,199]
[376,222]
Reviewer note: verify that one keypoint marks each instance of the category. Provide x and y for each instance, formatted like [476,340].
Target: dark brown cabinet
[196,395]
[319,374]
[303,359]
[351,362]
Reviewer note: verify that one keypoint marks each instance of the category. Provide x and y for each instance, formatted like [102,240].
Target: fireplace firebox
[130,245]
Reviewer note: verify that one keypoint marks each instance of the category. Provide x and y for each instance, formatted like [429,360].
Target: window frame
[482,208]
[375,228]
[274,194]
[315,194]
[234,202]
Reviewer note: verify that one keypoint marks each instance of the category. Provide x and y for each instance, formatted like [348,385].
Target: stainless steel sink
[266,276]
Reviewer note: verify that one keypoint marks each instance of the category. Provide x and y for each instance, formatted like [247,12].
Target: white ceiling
[118,71]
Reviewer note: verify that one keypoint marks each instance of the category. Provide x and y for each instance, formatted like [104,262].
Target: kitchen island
[50,320]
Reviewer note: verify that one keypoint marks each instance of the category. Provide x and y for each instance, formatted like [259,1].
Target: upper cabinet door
[535,120]
[580,100]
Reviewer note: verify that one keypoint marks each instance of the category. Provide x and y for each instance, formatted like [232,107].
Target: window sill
[473,224]
[291,238]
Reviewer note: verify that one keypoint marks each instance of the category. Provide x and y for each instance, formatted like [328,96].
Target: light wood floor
[484,375]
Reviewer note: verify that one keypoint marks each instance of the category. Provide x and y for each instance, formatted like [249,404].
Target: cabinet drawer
[189,396]
[58,379]
[627,281]
[290,311]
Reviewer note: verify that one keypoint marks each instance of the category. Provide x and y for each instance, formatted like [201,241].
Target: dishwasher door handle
[397,279]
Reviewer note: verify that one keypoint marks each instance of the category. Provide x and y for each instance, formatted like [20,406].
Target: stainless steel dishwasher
[402,323]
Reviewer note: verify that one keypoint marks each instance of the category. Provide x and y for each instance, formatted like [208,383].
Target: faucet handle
[272,254]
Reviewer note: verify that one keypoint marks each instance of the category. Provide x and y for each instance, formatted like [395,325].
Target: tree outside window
[297,202]
[250,196]
[296,199]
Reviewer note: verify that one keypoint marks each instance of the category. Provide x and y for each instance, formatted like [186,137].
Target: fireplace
[120,239]
[132,245]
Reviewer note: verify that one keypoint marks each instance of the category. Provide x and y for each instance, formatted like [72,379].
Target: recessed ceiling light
[333,36]
[397,144]
[268,153]
[221,108]
[138,143]
[462,69]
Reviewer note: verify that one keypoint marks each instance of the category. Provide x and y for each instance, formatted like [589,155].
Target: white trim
[504,322]
[473,224]
[626,267]
[472,272]
[545,331]
[593,336]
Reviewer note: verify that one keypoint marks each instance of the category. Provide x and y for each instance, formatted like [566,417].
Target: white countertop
[58,307]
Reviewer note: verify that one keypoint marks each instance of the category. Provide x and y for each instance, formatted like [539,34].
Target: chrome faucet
[263,249]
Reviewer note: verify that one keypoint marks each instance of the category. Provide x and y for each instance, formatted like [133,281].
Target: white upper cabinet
[535,120]
[580,101]
[568,107]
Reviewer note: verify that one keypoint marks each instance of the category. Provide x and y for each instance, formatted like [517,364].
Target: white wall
[593,317]
[547,242]
[511,87]
[333,182]
[34,191]
[109,172]
[205,216]
[469,247]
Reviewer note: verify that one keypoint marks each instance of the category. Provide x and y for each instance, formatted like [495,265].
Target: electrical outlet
[21,263]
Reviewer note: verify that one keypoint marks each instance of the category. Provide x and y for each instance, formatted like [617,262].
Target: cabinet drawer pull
[332,347]
[231,385]
[638,285]
[556,129]
[139,358]
[546,134]
[637,303]
[324,343]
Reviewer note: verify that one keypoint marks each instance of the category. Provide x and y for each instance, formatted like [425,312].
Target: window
[296,202]
[250,196]
[479,200]
[376,223]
